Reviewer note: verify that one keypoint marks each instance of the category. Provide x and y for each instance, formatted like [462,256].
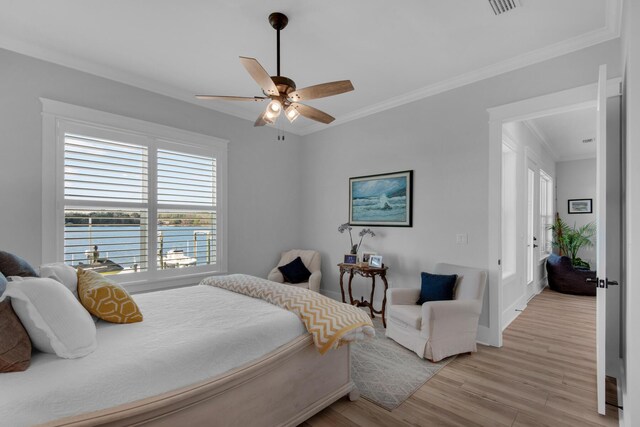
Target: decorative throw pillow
[436,287]
[15,346]
[55,321]
[105,299]
[62,273]
[295,271]
[13,265]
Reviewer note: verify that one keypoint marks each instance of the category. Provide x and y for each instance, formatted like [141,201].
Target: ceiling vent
[588,140]
[501,6]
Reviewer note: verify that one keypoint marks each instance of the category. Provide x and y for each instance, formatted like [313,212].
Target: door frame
[560,102]
[530,160]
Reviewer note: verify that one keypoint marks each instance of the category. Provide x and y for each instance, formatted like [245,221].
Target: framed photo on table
[350,259]
[375,261]
[366,256]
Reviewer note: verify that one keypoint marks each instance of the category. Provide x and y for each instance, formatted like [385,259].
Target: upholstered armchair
[311,260]
[438,329]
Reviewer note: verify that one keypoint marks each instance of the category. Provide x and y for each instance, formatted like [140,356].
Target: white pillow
[62,273]
[54,319]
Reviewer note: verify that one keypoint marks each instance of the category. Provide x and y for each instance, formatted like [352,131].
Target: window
[546,214]
[140,202]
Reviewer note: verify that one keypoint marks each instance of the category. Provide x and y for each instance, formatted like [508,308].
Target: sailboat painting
[381,200]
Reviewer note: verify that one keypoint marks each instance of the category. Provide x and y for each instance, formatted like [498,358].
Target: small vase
[354,250]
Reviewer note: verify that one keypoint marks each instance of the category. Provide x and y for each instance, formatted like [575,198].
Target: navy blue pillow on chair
[437,287]
[295,271]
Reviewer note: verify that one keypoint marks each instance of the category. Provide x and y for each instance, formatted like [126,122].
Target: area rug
[386,373]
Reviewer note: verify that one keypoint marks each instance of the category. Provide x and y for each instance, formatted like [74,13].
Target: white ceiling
[393,52]
[563,133]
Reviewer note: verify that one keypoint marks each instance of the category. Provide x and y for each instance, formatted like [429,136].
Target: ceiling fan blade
[322,90]
[260,75]
[313,113]
[261,121]
[231,98]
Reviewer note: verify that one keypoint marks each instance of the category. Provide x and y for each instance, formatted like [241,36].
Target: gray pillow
[13,265]
[3,283]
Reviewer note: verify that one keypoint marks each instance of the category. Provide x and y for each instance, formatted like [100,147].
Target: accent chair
[438,329]
[310,258]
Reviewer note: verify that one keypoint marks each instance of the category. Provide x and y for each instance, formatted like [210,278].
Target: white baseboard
[511,313]
[484,335]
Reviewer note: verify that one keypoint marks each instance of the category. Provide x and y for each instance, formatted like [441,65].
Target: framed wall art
[580,206]
[382,200]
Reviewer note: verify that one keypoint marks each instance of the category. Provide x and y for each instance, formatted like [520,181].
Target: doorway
[532,198]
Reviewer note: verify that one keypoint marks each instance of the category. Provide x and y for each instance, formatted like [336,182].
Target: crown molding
[577,157]
[115,74]
[610,31]
[562,48]
[542,136]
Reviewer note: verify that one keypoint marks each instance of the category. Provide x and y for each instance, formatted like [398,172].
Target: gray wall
[577,180]
[445,140]
[263,176]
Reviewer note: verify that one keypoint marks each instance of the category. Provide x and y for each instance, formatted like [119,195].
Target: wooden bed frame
[283,388]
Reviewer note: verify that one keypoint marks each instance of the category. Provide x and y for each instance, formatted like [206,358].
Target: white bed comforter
[188,335]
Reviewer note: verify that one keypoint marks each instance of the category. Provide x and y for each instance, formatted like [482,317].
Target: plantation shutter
[106,203]
[187,219]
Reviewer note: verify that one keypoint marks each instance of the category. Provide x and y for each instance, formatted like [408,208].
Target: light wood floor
[543,376]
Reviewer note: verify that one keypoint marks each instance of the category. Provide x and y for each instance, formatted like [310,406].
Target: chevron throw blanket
[331,323]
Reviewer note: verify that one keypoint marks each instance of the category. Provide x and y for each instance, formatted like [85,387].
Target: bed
[202,356]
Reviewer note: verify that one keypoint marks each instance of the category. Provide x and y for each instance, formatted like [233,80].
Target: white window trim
[55,115]
[544,254]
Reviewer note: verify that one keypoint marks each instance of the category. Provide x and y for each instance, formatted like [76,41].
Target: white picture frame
[366,256]
[375,261]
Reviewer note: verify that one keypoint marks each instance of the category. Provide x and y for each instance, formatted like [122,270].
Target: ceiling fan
[282,90]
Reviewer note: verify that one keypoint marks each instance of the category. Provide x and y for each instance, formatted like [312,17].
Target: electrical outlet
[462,239]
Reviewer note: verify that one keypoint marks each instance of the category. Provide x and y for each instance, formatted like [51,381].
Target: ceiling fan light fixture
[271,115]
[291,113]
[269,118]
[275,107]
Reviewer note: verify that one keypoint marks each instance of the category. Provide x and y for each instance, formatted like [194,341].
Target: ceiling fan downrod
[278,21]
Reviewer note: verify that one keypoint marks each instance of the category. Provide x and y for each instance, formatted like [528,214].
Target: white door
[601,240]
[533,220]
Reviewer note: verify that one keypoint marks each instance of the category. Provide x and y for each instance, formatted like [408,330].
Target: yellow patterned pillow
[106,300]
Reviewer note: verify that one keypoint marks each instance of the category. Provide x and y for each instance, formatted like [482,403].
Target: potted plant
[347,227]
[569,240]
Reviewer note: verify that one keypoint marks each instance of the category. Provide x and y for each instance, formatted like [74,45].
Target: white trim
[546,105]
[484,336]
[577,157]
[544,139]
[58,117]
[559,102]
[91,117]
[512,312]
[610,31]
